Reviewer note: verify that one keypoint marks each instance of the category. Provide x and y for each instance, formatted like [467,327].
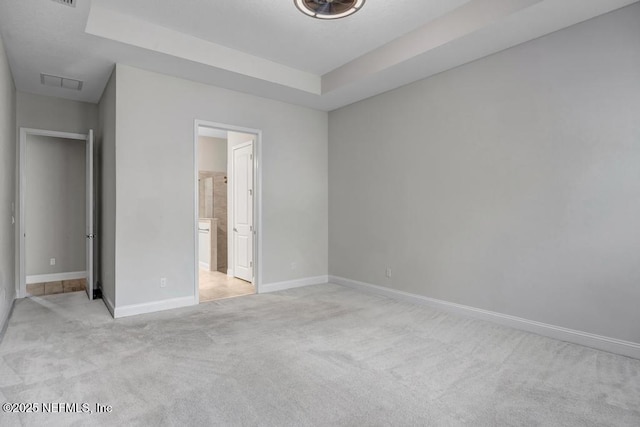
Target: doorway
[55,232]
[227,209]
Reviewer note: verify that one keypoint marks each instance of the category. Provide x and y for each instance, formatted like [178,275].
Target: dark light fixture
[329,9]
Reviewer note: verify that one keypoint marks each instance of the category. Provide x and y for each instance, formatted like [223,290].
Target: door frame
[21,266]
[257,200]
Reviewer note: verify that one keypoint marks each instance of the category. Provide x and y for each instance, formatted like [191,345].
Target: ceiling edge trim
[126,29]
[458,23]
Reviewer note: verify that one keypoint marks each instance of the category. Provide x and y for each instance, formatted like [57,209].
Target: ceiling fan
[329,9]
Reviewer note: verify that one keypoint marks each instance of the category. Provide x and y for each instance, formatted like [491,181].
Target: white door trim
[21,285]
[257,200]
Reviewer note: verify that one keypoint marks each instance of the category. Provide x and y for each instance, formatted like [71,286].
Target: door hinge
[250,263]
[250,156]
[251,192]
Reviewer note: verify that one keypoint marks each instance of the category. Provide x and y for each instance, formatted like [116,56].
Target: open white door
[243,211]
[89,209]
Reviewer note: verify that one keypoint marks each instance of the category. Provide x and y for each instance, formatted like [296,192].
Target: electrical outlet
[52,261]
[163,282]
[388,272]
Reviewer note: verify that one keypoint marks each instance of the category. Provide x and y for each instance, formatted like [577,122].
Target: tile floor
[215,285]
[59,287]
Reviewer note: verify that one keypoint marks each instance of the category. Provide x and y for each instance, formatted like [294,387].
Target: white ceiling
[269,48]
[276,30]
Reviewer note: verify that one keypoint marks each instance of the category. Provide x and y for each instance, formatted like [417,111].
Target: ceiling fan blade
[324,9]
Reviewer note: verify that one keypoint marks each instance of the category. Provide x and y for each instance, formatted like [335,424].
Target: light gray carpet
[322,355]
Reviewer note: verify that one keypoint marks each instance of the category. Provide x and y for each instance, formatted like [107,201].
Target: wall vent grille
[71,3]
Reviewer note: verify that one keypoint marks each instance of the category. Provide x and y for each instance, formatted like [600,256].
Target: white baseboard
[290,284]
[612,345]
[56,277]
[150,307]
[229,272]
[204,265]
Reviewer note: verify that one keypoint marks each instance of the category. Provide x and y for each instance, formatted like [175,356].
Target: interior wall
[106,136]
[44,112]
[55,205]
[7,187]
[237,138]
[155,192]
[212,155]
[509,184]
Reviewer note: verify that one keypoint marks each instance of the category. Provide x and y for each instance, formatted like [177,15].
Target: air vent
[71,3]
[63,82]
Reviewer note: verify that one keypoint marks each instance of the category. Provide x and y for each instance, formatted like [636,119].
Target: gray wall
[7,186]
[43,112]
[55,202]
[155,182]
[212,154]
[107,169]
[509,184]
